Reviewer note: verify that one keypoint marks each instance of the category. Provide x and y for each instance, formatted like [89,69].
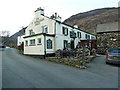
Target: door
[72,44]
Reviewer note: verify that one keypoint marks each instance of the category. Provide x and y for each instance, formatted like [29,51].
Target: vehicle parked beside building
[113,56]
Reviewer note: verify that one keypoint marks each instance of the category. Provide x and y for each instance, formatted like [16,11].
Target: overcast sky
[17,13]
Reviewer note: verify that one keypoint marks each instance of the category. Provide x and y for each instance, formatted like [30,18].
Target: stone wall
[110,39]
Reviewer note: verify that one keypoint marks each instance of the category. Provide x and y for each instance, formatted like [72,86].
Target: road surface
[20,71]
[0,69]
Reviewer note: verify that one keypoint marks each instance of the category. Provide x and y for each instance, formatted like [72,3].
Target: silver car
[113,56]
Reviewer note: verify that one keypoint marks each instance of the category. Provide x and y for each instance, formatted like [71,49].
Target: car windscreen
[114,50]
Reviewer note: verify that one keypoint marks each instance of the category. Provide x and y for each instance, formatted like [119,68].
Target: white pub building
[45,35]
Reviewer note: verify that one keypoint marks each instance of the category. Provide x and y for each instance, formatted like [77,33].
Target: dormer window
[45,29]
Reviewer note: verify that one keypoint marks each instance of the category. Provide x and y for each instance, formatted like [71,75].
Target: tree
[4,37]
[4,33]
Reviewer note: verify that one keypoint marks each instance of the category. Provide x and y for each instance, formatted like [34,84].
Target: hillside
[88,20]
[13,38]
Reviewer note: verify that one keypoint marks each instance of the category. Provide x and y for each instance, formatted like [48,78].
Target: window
[72,34]
[65,31]
[87,36]
[44,29]
[26,43]
[49,44]
[31,32]
[79,34]
[32,42]
[92,37]
[39,41]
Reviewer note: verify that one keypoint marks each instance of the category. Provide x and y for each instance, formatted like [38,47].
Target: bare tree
[4,35]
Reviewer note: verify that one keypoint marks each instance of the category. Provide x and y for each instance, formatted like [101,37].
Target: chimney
[39,12]
[57,17]
[75,26]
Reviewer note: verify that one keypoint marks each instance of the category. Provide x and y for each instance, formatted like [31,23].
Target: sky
[15,14]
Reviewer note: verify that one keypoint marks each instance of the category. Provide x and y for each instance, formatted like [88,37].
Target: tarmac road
[0,69]
[19,71]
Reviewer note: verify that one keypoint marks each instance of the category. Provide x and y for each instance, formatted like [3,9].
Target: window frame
[87,36]
[65,31]
[92,37]
[51,44]
[45,29]
[79,34]
[31,32]
[26,42]
[39,41]
[32,42]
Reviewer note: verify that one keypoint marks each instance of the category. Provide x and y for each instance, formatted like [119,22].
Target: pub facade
[44,35]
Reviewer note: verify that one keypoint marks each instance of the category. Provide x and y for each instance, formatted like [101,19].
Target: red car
[101,50]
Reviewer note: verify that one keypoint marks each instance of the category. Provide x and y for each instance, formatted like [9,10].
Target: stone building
[108,35]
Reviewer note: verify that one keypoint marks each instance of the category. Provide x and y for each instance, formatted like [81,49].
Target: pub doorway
[72,44]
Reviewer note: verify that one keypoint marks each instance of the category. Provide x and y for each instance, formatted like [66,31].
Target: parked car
[101,50]
[113,56]
[2,46]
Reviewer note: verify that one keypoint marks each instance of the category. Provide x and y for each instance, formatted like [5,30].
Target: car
[101,50]
[113,56]
[2,46]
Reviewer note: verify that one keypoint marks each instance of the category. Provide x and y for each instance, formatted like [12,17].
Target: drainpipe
[44,46]
[55,37]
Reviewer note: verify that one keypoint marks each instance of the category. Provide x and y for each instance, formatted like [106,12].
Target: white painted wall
[34,50]
[42,21]
[60,37]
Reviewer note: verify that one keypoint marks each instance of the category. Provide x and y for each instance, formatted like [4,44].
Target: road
[19,71]
[0,69]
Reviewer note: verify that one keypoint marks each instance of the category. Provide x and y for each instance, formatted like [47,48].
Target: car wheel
[106,62]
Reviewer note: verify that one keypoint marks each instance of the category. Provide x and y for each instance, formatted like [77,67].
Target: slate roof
[109,27]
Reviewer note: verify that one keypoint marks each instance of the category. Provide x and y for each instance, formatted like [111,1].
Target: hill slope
[88,20]
[13,38]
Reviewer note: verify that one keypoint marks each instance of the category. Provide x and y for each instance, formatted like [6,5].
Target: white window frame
[39,43]
[65,30]
[31,32]
[45,29]
[32,42]
[26,42]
